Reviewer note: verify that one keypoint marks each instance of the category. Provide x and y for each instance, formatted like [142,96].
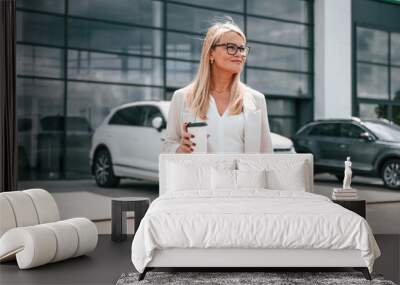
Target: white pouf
[31,233]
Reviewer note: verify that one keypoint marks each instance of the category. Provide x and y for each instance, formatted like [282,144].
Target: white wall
[332,59]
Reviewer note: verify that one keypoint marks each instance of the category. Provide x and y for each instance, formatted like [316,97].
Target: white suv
[129,140]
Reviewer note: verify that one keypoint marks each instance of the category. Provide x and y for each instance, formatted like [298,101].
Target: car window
[151,112]
[350,131]
[129,116]
[325,130]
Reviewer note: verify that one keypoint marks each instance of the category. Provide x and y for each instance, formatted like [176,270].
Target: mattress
[252,219]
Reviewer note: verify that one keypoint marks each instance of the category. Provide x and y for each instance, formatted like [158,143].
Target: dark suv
[373,145]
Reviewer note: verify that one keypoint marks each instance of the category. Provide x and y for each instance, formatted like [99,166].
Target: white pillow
[251,178]
[223,179]
[183,177]
[187,174]
[228,179]
[282,174]
[295,180]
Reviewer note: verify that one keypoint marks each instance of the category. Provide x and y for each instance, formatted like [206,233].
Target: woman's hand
[186,143]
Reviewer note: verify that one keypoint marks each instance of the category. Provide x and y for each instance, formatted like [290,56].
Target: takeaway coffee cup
[199,130]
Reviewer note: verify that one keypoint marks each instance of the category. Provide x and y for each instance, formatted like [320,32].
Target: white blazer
[257,135]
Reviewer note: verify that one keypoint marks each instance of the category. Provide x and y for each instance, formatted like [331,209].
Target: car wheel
[391,173]
[103,171]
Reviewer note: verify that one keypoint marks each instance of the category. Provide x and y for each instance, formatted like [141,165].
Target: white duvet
[253,218]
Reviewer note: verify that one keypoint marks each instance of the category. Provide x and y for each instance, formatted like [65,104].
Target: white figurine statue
[347,174]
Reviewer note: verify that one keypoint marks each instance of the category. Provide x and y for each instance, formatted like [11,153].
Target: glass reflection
[281,107]
[114,68]
[40,29]
[184,46]
[282,126]
[39,148]
[372,81]
[372,45]
[277,32]
[117,38]
[284,9]
[40,61]
[195,19]
[283,83]
[180,73]
[395,48]
[143,12]
[395,83]
[236,5]
[373,111]
[278,57]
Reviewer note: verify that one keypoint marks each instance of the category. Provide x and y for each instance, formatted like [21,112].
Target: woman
[236,115]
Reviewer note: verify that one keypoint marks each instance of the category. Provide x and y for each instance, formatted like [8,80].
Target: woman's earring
[212,61]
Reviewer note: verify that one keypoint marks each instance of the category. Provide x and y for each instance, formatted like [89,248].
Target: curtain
[8,132]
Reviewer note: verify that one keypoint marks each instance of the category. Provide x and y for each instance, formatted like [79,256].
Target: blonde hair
[198,94]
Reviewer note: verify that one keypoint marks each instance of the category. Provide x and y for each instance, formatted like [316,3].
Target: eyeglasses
[232,48]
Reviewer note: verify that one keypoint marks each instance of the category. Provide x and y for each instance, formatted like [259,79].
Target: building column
[332,58]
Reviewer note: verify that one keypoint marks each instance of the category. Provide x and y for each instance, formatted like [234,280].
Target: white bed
[200,221]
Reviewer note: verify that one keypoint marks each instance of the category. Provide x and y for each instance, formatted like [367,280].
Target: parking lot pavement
[85,199]
[370,189]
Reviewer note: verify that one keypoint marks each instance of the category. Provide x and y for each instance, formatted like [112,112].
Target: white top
[226,131]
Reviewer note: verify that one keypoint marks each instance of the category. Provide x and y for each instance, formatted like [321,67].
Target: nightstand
[357,206]
[119,207]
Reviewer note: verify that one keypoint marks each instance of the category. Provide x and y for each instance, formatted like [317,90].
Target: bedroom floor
[111,259]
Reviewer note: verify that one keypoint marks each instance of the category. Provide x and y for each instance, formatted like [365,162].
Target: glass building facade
[78,59]
[376,60]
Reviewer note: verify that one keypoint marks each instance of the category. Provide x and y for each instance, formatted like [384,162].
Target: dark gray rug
[269,278]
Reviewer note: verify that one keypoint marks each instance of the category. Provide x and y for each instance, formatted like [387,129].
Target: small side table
[357,206]
[119,207]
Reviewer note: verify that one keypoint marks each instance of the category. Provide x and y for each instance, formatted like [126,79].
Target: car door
[150,141]
[124,133]
[324,144]
[361,151]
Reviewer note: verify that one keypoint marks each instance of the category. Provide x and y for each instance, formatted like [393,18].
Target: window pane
[56,6]
[277,57]
[284,9]
[277,32]
[236,5]
[42,29]
[282,126]
[372,45]
[143,12]
[195,19]
[119,38]
[180,73]
[373,111]
[114,68]
[372,81]
[39,149]
[326,130]
[272,82]
[40,61]
[95,101]
[395,83]
[281,107]
[184,46]
[395,48]
[131,116]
